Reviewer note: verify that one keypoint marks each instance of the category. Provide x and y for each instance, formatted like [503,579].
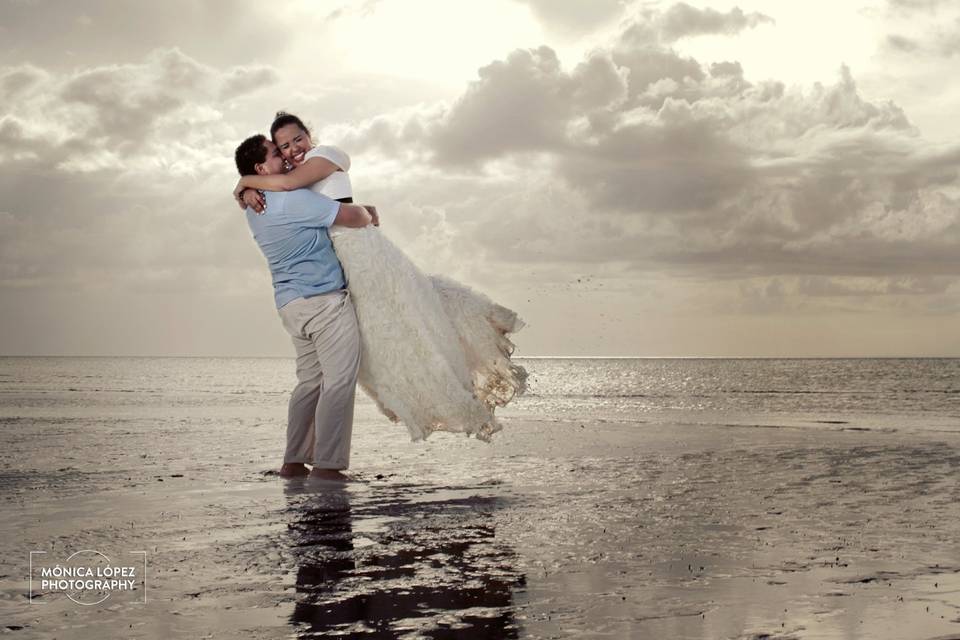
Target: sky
[659,179]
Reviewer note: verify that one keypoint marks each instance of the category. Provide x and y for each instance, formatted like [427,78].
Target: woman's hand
[253,199]
[238,194]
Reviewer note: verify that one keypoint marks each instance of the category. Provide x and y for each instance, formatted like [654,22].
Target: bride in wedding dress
[434,353]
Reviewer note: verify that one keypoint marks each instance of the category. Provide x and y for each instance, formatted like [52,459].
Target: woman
[434,353]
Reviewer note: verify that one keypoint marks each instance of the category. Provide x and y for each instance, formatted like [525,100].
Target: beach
[562,527]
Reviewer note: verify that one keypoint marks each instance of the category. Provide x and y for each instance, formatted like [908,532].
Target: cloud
[106,174]
[89,118]
[17,81]
[662,163]
[902,43]
[858,287]
[126,102]
[654,28]
[681,20]
[525,102]
[572,17]
[924,28]
[813,296]
[244,79]
[71,34]
[670,185]
[937,42]
[918,5]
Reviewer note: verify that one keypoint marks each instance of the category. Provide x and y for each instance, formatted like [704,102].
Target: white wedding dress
[434,353]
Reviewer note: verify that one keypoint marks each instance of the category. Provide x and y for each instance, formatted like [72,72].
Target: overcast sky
[765,178]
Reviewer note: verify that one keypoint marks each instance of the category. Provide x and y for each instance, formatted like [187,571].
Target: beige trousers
[320,417]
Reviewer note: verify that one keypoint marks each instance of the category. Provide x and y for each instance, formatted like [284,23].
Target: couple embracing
[429,351]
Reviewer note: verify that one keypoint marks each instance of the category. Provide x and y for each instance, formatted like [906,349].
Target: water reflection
[391,561]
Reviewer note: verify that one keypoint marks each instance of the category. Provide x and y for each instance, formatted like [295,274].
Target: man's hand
[373,214]
[253,199]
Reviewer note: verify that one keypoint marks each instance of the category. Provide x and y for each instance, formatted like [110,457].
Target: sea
[869,393]
[625,498]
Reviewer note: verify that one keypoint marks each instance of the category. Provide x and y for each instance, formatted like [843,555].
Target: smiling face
[293,142]
[274,161]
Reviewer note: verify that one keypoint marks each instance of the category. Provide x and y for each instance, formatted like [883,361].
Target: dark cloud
[697,169]
[938,42]
[96,168]
[64,35]
[729,69]
[682,20]
[246,79]
[16,81]
[11,133]
[902,43]
[675,163]
[524,103]
[647,65]
[119,107]
[122,110]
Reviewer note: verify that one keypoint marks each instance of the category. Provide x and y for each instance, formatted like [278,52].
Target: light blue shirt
[292,233]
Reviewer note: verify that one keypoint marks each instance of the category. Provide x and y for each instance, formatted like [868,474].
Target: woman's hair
[282,119]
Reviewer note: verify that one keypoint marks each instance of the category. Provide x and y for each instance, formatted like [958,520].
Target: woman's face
[293,143]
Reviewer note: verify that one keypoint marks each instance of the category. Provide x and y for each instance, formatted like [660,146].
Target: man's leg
[335,336]
[303,401]
[303,404]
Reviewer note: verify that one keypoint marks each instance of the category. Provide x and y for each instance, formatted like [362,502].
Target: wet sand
[556,530]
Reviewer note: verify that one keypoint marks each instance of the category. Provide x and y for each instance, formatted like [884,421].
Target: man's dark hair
[282,119]
[250,153]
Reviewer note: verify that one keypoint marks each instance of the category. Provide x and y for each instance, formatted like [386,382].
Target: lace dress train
[434,353]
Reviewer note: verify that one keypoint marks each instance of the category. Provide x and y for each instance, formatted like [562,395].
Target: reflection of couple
[450,576]
[429,351]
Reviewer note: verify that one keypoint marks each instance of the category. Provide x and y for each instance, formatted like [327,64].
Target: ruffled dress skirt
[434,353]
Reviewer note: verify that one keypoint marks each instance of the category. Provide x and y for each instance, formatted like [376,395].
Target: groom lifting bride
[313,302]
[430,352]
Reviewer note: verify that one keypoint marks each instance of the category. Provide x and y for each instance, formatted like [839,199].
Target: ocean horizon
[868,393]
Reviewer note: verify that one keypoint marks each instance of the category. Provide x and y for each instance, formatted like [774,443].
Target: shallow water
[808,527]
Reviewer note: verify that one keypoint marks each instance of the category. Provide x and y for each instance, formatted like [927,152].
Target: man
[315,307]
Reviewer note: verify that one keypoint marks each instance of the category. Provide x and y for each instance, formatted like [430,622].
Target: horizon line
[531,357]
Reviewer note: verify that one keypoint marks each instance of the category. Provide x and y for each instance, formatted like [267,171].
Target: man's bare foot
[329,474]
[293,470]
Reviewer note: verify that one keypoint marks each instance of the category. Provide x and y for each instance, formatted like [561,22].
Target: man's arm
[353,215]
[310,209]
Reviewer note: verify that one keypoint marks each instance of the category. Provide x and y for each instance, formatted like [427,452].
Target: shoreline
[554,529]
